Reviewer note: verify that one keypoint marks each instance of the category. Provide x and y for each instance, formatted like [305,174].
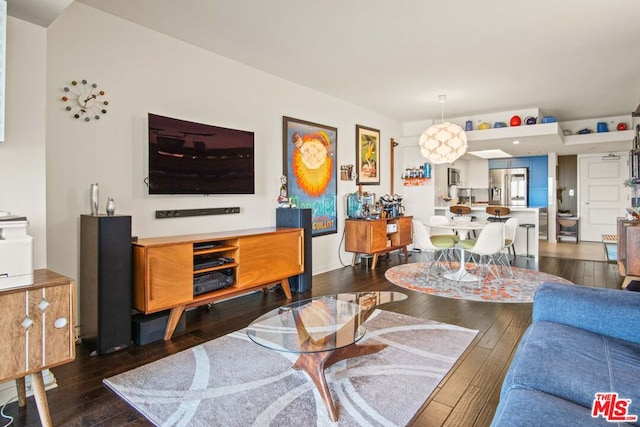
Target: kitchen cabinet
[538,180]
[538,171]
[477,174]
[514,162]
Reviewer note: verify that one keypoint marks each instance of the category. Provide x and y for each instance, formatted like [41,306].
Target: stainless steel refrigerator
[509,187]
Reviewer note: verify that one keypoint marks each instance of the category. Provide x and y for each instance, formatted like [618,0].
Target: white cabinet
[477,173]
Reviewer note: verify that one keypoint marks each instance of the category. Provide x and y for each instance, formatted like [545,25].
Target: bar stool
[460,210]
[528,226]
[498,213]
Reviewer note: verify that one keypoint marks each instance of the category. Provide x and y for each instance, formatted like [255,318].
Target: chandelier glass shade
[443,143]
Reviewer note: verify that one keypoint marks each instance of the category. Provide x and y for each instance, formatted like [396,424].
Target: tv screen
[194,158]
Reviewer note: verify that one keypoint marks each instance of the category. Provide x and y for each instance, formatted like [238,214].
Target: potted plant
[635,190]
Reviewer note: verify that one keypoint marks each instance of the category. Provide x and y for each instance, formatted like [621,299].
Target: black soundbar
[180,213]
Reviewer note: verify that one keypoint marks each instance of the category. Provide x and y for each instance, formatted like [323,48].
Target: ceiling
[574,59]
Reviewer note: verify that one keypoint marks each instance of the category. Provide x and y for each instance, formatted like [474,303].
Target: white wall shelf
[600,137]
[548,130]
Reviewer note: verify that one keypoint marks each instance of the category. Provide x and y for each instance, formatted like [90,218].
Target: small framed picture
[367,155]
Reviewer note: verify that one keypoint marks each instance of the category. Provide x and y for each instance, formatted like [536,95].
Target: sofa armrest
[611,312]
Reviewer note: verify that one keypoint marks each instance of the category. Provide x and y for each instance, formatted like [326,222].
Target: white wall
[143,71]
[22,154]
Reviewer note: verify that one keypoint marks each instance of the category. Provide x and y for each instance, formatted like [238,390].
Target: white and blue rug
[231,381]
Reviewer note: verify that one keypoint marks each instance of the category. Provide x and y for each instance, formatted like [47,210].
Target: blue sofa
[582,341]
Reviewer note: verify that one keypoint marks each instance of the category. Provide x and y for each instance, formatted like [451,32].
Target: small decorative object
[602,127]
[584,131]
[111,206]
[499,125]
[515,121]
[531,120]
[84,101]
[621,126]
[484,126]
[468,125]
[95,198]
[346,172]
[283,198]
[549,119]
[566,132]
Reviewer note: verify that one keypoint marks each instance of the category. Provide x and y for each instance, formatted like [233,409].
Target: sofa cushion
[575,364]
[526,408]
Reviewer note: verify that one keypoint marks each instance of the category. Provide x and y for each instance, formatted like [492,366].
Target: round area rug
[519,288]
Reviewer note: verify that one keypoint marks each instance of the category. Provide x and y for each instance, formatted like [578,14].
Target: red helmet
[515,121]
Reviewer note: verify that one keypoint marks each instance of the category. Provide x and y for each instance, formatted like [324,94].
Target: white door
[602,195]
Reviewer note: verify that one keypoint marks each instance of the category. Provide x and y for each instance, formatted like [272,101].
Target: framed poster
[367,155]
[309,163]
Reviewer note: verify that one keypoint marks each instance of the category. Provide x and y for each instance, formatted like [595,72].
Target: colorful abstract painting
[310,166]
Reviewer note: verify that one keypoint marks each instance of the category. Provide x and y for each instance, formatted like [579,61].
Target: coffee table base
[314,365]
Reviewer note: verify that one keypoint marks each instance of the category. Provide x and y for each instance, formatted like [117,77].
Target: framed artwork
[310,165]
[367,155]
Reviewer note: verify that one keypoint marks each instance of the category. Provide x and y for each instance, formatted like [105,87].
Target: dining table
[462,228]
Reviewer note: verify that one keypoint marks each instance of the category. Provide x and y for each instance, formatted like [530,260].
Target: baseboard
[8,390]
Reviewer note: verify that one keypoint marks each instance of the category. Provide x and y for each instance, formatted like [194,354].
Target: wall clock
[85,100]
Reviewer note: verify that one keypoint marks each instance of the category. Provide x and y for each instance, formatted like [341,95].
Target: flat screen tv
[194,158]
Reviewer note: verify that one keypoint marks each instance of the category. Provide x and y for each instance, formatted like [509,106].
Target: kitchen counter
[525,215]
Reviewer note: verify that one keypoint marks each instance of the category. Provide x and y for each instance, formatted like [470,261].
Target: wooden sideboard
[377,236]
[164,267]
[38,332]
[629,250]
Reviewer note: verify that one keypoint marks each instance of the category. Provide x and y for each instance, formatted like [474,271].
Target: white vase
[95,198]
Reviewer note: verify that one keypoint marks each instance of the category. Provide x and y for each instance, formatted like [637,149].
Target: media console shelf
[165,267]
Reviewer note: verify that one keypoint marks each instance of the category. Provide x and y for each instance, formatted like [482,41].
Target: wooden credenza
[629,250]
[377,236]
[164,267]
[37,332]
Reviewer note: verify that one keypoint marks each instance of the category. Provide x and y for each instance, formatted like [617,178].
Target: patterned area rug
[231,381]
[519,288]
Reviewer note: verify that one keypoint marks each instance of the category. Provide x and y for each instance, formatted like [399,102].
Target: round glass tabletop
[318,324]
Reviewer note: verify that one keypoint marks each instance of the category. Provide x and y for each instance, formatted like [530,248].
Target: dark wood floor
[467,396]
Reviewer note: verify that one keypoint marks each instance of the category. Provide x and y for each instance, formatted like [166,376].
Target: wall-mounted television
[195,158]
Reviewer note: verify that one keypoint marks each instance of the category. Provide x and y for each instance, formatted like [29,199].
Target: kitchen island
[525,215]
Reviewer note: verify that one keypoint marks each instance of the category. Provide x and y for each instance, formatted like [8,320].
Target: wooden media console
[165,267]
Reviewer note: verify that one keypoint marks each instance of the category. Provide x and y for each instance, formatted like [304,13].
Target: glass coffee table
[322,331]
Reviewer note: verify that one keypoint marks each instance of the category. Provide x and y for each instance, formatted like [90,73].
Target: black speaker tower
[105,282]
[299,218]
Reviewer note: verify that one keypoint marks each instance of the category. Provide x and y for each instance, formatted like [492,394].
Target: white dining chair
[486,248]
[436,246]
[510,228]
[437,220]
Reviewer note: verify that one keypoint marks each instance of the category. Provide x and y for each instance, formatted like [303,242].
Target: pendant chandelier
[443,142]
